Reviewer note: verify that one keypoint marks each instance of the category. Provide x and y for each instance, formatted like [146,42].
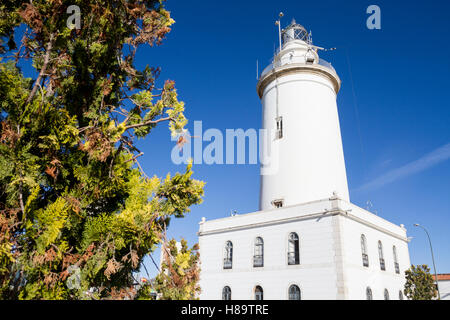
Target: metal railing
[294,295]
[227,263]
[268,68]
[258,261]
[382,264]
[226,296]
[278,63]
[326,64]
[365,259]
[293,258]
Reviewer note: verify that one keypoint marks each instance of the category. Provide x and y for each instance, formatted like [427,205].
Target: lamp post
[432,257]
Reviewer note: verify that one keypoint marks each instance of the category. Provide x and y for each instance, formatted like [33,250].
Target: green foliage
[419,283]
[77,214]
[180,272]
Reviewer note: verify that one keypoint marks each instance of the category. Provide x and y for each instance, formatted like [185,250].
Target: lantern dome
[293,32]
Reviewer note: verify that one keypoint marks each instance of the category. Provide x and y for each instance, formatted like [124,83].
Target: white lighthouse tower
[298,94]
[307,241]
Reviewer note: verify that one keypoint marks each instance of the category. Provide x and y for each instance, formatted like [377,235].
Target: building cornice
[374,226]
[267,223]
[295,68]
[321,214]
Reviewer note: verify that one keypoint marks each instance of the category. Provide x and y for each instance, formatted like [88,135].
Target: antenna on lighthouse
[311,46]
[257,70]
[320,48]
[369,206]
[278,22]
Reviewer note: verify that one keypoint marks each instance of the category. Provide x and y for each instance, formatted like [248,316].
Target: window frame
[258,254]
[369,293]
[364,251]
[381,256]
[226,294]
[386,294]
[261,291]
[296,252]
[228,255]
[279,127]
[278,203]
[299,292]
[396,264]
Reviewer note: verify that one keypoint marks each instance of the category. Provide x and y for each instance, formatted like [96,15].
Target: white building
[307,241]
[444,285]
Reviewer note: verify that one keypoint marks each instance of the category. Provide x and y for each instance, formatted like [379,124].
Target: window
[369,294]
[294,292]
[258,256]
[279,133]
[386,294]
[309,57]
[258,293]
[277,203]
[380,253]
[400,295]
[293,249]
[365,256]
[226,293]
[397,266]
[228,255]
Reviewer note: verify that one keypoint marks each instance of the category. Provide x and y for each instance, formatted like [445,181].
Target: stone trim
[294,68]
[321,214]
[267,223]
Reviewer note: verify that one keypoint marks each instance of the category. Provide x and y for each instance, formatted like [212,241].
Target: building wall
[358,277]
[330,253]
[444,289]
[316,274]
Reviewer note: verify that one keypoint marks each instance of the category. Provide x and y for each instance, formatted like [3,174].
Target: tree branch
[22,207]
[149,122]
[43,69]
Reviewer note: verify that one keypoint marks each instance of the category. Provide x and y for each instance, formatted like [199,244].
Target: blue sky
[393,104]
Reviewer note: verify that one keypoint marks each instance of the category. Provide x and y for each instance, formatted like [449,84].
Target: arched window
[228,255]
[226,293]
[386,294]
[294,292]
[365,256]
[258,293]
[397,266]
[380,253]
[369,294]
[258,256]
[400,295]
[293,249]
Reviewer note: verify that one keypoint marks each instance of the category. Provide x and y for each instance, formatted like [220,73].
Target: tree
[180,272]
[419,283]
[77,212]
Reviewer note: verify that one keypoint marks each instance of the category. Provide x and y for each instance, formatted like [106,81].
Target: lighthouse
[298,95]
[307,241]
